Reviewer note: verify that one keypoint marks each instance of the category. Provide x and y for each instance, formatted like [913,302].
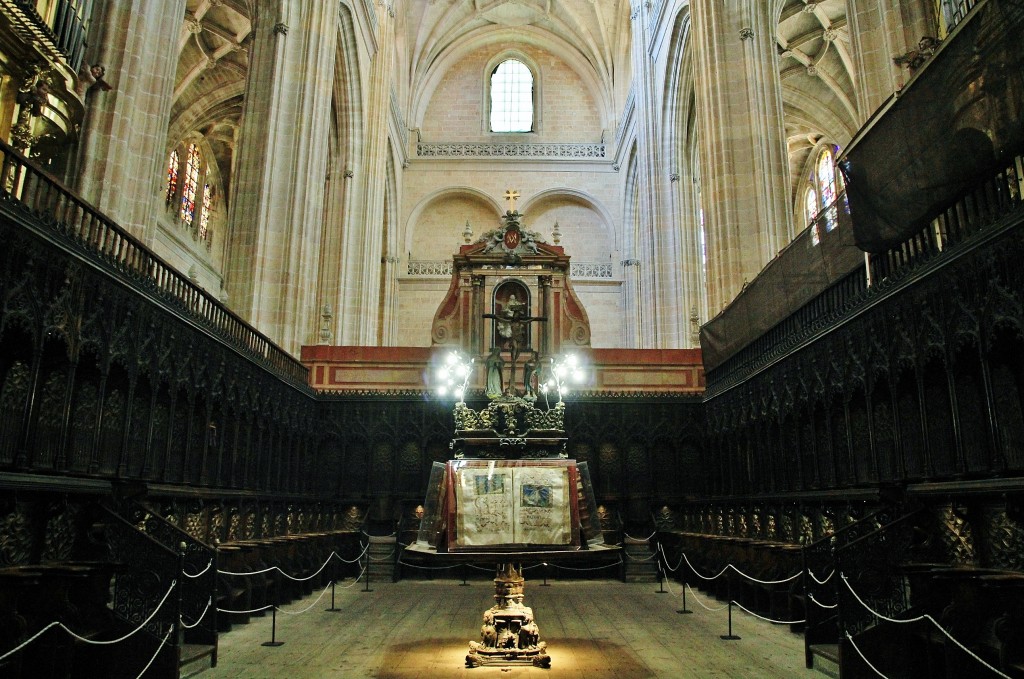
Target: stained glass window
[811,210]
[172,176]
[820,205]
[188,189]
[512,97]
[204,214]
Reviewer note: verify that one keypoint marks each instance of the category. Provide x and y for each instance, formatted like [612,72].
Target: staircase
[641,561]
[149,544]
[381,552]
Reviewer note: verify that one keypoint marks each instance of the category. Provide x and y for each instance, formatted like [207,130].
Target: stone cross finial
[511,196]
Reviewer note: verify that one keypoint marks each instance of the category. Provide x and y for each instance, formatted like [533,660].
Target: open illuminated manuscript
[501,503]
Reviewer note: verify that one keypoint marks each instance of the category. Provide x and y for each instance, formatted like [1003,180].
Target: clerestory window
[512,97]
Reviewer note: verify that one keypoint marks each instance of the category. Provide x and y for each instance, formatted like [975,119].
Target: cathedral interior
[780,237]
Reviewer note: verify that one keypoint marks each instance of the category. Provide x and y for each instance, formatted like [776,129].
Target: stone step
[194,660]
[825,659]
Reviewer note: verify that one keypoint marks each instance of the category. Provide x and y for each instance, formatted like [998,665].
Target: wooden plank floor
[594,629]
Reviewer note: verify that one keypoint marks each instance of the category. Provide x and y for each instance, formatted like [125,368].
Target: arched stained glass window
[821,207]
[811,211]
[204,214]
[172,175]
[189,186]
[512,97]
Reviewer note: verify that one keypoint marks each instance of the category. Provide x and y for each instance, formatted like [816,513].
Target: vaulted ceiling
[817,76]
[592,36]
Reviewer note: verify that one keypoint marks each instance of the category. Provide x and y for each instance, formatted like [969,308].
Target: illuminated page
[484,498]
[542,506]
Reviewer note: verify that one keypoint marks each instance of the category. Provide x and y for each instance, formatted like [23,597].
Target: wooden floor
[594,629]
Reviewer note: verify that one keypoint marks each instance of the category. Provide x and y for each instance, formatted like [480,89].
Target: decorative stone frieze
[509,150]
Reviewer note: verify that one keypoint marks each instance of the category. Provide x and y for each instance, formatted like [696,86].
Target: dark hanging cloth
[960,115]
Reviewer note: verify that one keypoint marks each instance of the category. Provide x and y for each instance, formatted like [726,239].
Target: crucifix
[511,196]
[511,326]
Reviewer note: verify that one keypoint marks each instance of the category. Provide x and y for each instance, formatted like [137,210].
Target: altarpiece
[510,494]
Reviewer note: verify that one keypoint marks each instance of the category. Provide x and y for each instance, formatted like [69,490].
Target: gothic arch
[556,194]
[476,195]
[425,83]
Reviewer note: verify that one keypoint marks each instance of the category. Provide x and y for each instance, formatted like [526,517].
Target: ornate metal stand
[509,635]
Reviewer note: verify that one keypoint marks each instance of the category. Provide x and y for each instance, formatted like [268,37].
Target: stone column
[120,165]
[361,238]
[279,181]
[646,172]
[880,31]
[743,155]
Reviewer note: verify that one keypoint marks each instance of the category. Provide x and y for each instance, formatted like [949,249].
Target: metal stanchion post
[730,636]
[367,588]
[273,616]
[545,583]
[661,579]
[465,567]
[332,609]
[684,610]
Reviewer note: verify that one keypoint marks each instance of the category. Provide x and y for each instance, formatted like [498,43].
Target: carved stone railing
[430,268]
[584,270]
[443,268]
[510,150]
[87,230]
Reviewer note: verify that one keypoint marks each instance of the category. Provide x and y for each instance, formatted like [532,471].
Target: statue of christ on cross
[511,334]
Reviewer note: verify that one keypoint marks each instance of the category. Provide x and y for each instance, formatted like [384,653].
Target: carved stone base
[509,635]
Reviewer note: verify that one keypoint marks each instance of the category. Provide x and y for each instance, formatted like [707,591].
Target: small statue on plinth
[509,634]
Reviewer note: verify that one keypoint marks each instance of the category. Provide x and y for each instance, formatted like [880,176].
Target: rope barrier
[727,567]
[766,582]
[815,578]
[184,624]
[57,623]
[917,619]
[435,568]
[821,604]
[761,617]
[158,649]
[389,535]
[332,555]
[200,573]
[645,558]
[246,612]
[630,537]
[307,607]
[864,658]
[358,578]
[704,577]
[383,558]
[702,605]
[661,548]
[589,568]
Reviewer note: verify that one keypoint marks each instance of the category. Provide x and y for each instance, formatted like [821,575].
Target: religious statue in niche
[510,329]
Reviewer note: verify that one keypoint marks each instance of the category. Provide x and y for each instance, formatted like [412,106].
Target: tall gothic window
[188,189]
[512,97]
[172,176]
[820,199]
[204,214]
